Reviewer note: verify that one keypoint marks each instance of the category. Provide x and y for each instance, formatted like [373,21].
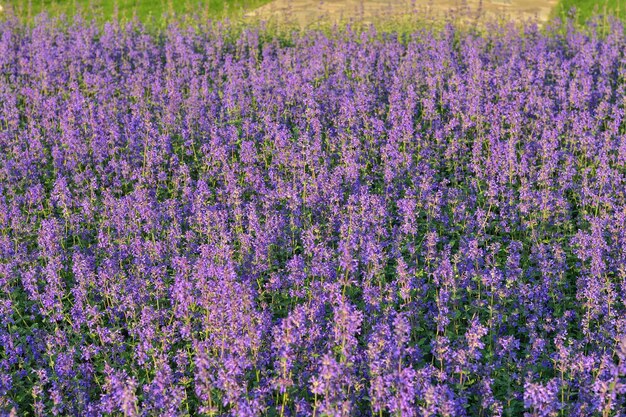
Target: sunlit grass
[145,10]
[585,9]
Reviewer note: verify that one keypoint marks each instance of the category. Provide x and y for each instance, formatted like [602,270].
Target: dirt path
[306,13]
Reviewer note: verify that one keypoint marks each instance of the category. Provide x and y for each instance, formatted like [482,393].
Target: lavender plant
[198,221]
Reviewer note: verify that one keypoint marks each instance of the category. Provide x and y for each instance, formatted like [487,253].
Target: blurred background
[310,12]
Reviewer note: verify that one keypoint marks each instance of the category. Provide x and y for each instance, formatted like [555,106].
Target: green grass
[588,8]
[145,10]
[153,10]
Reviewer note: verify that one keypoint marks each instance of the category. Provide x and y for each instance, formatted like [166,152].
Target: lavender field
[214,222]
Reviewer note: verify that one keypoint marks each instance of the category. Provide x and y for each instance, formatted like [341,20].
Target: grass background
[218,9]
[146,10]
[584,9]
[125,9]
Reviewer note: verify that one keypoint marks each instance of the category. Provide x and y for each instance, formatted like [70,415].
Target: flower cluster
[204,221]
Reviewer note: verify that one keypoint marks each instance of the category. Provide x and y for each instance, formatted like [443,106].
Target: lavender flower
[354,222]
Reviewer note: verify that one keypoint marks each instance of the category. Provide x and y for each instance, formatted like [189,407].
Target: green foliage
[145,10]
[583,10]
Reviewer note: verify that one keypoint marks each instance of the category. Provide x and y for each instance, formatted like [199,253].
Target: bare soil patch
[306,13]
